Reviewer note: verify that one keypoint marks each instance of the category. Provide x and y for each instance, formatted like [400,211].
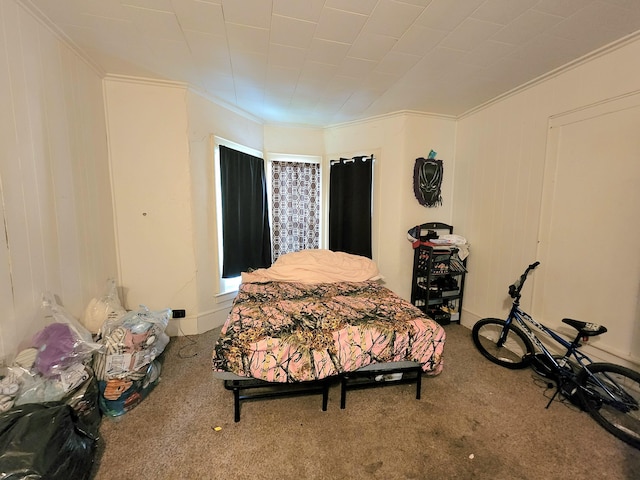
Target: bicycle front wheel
[611,395]
[516,351]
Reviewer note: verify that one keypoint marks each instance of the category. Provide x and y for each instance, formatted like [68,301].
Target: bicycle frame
[521,317]
[608,392]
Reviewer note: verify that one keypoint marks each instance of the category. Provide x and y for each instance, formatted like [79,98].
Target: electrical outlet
[178,313]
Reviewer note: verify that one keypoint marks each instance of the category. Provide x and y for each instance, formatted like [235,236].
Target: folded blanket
[316,266]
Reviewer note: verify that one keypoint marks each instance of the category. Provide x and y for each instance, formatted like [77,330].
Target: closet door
[589,227]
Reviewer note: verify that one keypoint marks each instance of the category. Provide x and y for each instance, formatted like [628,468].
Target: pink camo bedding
[294,332]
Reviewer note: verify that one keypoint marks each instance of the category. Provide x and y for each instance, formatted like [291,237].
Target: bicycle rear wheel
[611,395]
[517,350]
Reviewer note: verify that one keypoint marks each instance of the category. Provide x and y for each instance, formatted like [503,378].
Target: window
[351,205]
[296,220]
[244,239]
[295,186]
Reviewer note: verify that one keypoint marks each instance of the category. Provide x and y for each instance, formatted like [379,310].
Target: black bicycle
[609,393]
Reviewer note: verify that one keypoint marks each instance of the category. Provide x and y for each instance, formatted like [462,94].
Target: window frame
[292,157]
[226,285]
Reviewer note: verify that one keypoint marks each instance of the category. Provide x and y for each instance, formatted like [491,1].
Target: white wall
[57,229]
[206,119]
[178,241]
[396,141]
[293,140]
[500,186]
[149,154]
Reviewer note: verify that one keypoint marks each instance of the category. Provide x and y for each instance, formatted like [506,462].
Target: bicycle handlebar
[515,288]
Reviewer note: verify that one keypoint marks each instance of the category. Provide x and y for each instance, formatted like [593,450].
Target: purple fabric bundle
[56,345]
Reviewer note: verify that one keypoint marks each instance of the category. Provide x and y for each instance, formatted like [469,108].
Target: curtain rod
[364,158]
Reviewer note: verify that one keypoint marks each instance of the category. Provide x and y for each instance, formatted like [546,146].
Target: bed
[319,316]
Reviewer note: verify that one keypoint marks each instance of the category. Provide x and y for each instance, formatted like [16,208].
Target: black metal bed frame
[265,389]
[369,379]
[348,381]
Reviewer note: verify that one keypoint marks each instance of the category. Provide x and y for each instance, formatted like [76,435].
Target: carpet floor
[475,420]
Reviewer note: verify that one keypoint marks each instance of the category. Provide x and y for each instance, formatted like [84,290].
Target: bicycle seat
[586,329]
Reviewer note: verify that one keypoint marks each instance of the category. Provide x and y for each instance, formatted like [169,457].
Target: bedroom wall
[149,154]
[57,228]
[176,241]
[502,152]
[58,212]
[396,141]
[206,119]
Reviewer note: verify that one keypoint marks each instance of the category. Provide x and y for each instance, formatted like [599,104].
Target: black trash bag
[84,401]
[44,441]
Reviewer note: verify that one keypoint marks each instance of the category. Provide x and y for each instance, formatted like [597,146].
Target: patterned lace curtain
[295,188]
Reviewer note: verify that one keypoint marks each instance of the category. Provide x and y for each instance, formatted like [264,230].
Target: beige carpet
[474,421]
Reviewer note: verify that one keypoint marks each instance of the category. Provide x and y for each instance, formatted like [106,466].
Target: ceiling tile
[285,76]
[291,31]
[249,70]
[447,14]
[102,8]
[420,3]
[392,18]
[526,27]
[331,53]
[159,5]
[631,5]
[286,56]
[379,81]
[548,52]
[371,46]
[364,7]
[358,102]
[254,13]
[208,49]
[438,60]
[200,16]
[339,26]
[355,67]
[317,73]
[419,40]
[598,17]
[469,34]
[502,11]
[246,38]
[309,10]
[565,8]
[155,23]
[397,64]
[488,52]
[111,29]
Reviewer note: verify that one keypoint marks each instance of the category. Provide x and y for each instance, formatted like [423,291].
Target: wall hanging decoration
[427,180]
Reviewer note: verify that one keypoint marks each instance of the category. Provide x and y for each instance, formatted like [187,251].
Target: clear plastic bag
[62,343]
[100,310]
[130,343]
[119,395]
[138,321]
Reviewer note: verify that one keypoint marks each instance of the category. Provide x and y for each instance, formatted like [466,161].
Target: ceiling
[322,62]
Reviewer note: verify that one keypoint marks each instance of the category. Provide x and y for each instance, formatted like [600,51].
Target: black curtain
[246,235]
[350,205]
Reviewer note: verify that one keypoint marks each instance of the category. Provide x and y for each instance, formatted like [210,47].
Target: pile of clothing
[54,366]
[54,392]
[127,367]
